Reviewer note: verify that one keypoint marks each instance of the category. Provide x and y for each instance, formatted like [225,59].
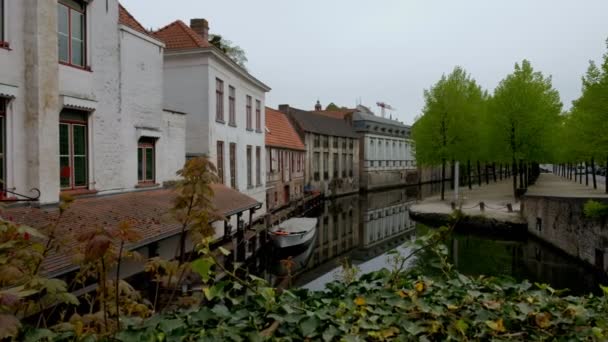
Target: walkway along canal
[363,227]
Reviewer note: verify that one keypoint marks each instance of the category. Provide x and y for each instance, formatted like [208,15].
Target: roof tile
[125,18]
[280,132]
[178,35]
[149,212]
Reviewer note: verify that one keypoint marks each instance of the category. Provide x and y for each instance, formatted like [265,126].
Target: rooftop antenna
[384,107]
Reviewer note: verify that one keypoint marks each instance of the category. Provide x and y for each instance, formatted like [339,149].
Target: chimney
[318,106]
[284,108]
[200,26]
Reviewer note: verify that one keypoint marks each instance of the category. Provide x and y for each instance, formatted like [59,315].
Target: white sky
[391,50]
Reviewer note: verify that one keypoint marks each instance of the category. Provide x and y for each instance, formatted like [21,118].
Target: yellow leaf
[452,307]
[419,286]
[497,326]
[403,294]
[543,319]
[360,301]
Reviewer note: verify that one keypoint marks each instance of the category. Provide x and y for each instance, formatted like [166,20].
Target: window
[350,165]
[315,165]
[334,142]
[233,165]
[249,113]
[3,38]
[2,141]
[232,106]
[299,161]
[336,168]
[343,165]
[219,100]
[258,116]
[325,166]
[344,143]
[220,161]
[146,160]
[351,143]
[73,149]
[325,142]
[316,141]
[249,170]
[71,32]
[258,166]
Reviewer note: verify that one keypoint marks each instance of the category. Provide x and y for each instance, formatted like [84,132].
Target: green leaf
[202,267]
[221,310]
[461,326]
[224,251]
[330,333]
[309,325]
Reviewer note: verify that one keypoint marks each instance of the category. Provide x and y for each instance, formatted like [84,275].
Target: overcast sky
[391,50]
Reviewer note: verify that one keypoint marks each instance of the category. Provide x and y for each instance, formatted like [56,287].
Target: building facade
[332,150]
[285,162]
[225,106]
[387,157]
[80,108]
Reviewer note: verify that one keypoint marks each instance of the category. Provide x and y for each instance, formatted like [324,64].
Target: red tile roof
[178,35]
[336,114]
[125,18]
[147,210]
[280,132]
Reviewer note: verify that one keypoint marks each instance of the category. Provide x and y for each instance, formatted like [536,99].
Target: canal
[361,229]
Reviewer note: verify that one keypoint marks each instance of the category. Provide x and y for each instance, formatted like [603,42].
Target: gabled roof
[125,18]
[280,132]
[322,124]
[178,35]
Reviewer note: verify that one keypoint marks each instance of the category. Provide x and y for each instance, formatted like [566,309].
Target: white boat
[293,232]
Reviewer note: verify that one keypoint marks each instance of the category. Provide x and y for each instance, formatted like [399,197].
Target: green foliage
[233,51]
[397,304]
[332,106]
[524,112]
[449,126]
[595,210]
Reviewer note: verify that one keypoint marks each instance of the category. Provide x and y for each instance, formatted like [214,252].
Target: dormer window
[71,21]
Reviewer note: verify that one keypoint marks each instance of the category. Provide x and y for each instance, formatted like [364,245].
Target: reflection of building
[386,151]
[225,106]
[332,150]
[285,161]
[384,216]
[338,230]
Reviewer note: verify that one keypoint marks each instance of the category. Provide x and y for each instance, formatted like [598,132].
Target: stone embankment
[500,213]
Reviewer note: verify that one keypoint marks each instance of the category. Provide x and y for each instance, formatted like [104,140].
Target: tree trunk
[478,173]
[580,176]
[606,176]
[526,174]
[469,173]
[514,175]
[586,174]
[453,172]
[487,173]
[443,179]
[521,174]
[494,171]
[593,171]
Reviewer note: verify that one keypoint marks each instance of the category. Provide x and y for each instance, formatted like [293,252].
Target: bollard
[482,206]
[510,207]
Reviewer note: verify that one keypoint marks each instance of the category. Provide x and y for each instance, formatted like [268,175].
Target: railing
[21,197]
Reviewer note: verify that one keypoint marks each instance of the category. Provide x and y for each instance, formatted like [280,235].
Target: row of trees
[520,125]
[582,140]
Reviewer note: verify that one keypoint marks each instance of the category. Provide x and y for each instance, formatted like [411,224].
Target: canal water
[361,229]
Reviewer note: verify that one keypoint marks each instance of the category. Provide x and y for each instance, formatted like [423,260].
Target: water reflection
[362,228]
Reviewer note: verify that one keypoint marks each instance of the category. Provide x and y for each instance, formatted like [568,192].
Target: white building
[387,157]
[225,106]
[81,101]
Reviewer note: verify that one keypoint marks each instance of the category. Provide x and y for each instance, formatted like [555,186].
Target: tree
[233,51]
[524,111]
[446,130]
[332,106]
[590,114]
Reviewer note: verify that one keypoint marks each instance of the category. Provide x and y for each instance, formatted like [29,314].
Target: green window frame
[73,150]
[146,161]
[71,32]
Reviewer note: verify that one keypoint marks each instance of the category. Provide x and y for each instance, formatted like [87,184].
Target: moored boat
[293,232]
